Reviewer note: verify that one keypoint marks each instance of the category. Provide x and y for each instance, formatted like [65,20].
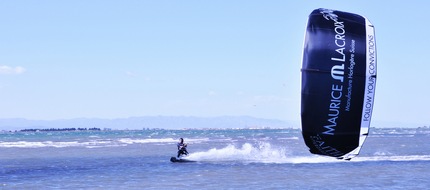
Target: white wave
[263,153]
[288,138]
[393,158]
[163,140]
[315,159]
[26,144]
[87,144]
[382,153]
[92,143]
[143,141]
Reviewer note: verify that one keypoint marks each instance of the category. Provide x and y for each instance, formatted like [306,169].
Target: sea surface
[396,158]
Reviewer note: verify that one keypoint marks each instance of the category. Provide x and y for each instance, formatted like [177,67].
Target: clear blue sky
[115,59]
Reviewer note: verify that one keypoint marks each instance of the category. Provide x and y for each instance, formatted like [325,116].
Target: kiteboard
[180,160]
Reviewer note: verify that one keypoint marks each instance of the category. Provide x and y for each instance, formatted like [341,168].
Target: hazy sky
[114,59]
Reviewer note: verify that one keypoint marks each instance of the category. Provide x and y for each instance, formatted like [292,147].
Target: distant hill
[163,122]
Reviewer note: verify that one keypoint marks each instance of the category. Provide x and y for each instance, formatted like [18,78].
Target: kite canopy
[338,82]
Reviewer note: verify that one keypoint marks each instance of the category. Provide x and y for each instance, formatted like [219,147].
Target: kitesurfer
[182,148]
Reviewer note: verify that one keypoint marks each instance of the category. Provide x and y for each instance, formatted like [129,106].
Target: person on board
[182,148]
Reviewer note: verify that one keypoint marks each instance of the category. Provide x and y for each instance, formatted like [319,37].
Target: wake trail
[266,153]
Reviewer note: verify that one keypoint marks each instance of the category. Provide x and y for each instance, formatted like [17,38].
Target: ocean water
[226,159]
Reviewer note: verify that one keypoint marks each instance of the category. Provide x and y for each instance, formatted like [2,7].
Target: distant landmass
[169,122]
[161,122]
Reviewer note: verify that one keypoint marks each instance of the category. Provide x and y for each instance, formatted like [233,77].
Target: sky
[118,59]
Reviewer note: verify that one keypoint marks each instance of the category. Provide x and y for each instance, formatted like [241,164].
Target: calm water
[226,159]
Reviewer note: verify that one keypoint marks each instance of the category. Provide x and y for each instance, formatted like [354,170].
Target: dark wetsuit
[182,149]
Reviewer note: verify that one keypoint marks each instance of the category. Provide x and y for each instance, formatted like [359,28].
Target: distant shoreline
[61,129]
[171,122]
[418,130]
